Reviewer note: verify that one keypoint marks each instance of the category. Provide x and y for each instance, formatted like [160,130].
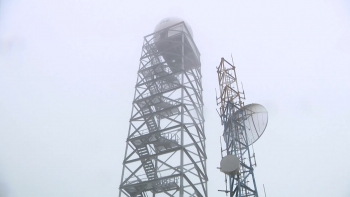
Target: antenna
[243,125]
[243,91]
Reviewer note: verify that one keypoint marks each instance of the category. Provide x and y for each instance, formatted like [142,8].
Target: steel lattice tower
[243,125]
[165,152]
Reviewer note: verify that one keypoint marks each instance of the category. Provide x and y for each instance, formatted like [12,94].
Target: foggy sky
[68,71]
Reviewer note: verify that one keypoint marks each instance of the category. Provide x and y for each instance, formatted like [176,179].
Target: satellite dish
[254,118]
[230,165]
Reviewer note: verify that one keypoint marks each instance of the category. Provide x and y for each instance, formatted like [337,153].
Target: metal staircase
[158,79]
[147,164]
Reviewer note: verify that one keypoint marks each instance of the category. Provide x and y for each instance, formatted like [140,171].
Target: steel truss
[165,152]
[235,135]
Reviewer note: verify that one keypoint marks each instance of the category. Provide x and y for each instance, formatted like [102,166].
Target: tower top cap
[169,21]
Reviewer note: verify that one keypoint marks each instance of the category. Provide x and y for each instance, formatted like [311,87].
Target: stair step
[147,164]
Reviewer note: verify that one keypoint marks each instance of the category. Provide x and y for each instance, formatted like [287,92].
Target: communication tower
[243,125]
[165,148]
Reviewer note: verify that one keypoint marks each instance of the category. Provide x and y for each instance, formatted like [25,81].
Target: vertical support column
[182,117]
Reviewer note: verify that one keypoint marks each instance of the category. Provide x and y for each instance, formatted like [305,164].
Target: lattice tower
[165,152]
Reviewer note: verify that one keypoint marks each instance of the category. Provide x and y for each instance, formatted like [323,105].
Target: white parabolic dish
[254,117]
[229,165]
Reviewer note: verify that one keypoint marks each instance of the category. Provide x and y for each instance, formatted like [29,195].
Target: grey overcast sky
[68,71]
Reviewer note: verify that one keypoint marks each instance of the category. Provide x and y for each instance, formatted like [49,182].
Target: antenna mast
[243,125]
